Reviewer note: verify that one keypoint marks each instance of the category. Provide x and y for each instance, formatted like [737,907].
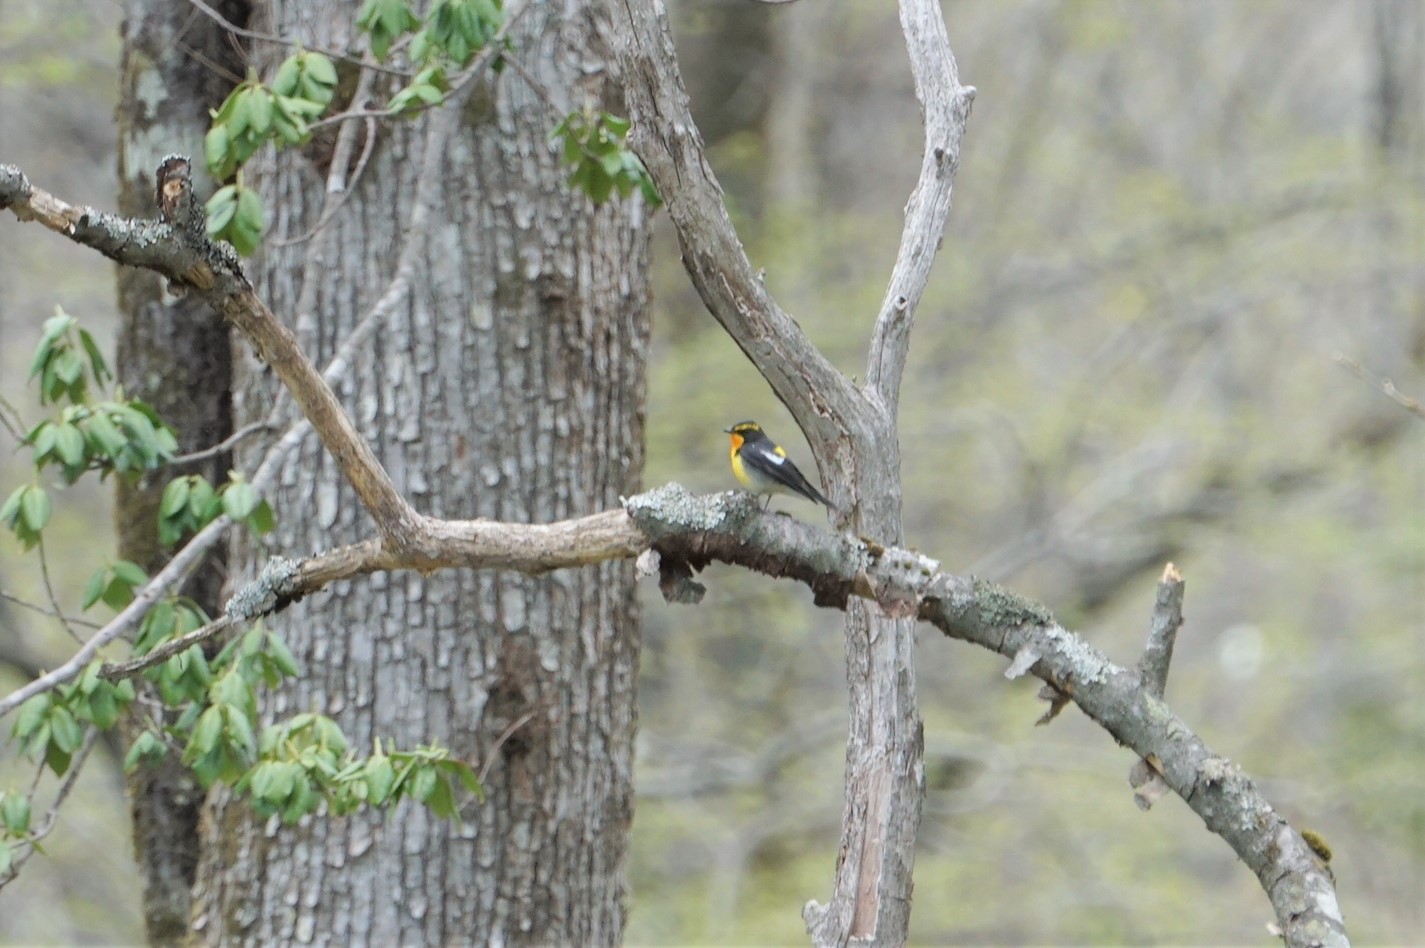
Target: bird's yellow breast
[738,471]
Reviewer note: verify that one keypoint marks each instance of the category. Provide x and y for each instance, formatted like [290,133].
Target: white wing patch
[776,459]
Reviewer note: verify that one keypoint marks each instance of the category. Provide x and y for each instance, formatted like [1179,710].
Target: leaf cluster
[50,726]
[594,144]
[252,115]
[191,503]
[453,31]
[114,435]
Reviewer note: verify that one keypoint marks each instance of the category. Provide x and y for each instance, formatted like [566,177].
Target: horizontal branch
[685,532]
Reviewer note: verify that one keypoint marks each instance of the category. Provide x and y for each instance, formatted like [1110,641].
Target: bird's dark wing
[784,472]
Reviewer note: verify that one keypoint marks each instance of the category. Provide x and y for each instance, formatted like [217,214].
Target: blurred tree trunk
[174,354]
[1399,117]
[508,383]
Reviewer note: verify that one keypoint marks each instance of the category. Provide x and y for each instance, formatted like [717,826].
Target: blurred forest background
[1171,219]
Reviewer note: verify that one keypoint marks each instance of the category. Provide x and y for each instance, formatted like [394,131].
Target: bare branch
[48,583]
[1163,633]
[671,148]
[1384,384]
[1146,774]
[945,108]
[45,610]
[227,444]
[689,532]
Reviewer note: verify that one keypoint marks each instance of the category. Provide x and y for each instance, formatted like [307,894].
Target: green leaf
[423,783]
[601,184]
[465,774]
[442,801]
[221,208]
[35,508]
[69,445]
[200,500]
[380,778]
[89,678]
[240,733]
[175,497]
[299,109]
[156,629]
[262,520]
[320,69]
[147,746]
[10,512]
[42,439]
[103,436]
[69,366]
[285,81]
[301,801]
[205,734]
[240,499]
[66,733]
[272,781]
[130,572]
[246,231]
[97,366]
[189,617]
[94,589]
[103,709]
[57,759]
[282,656]
[252,641]
[56,326]
[32,714]
[15,813]
[260,109]
[217,151]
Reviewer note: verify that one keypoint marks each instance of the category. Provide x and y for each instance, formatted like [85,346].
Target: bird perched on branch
[761,465]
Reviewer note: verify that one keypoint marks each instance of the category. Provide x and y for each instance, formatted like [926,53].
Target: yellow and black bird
[764,468]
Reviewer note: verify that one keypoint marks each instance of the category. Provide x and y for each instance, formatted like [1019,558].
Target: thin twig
[1381,382]
[538,88]
[42,610]
[167,650]
[227,444]
[1163,632]
[11,419]
[290,44]
[54,599]
[515,725]
[1146,774]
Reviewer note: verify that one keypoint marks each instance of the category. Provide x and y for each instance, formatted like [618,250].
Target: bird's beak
[727,431]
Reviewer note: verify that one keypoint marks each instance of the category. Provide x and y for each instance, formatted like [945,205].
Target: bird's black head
[746,431]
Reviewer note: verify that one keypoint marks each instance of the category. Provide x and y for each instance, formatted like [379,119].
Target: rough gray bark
[175,354]
[508,384]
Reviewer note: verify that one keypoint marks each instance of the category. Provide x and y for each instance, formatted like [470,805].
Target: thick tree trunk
[174,354]
[508,384]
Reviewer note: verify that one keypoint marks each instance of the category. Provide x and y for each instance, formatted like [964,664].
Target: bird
[762,466]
